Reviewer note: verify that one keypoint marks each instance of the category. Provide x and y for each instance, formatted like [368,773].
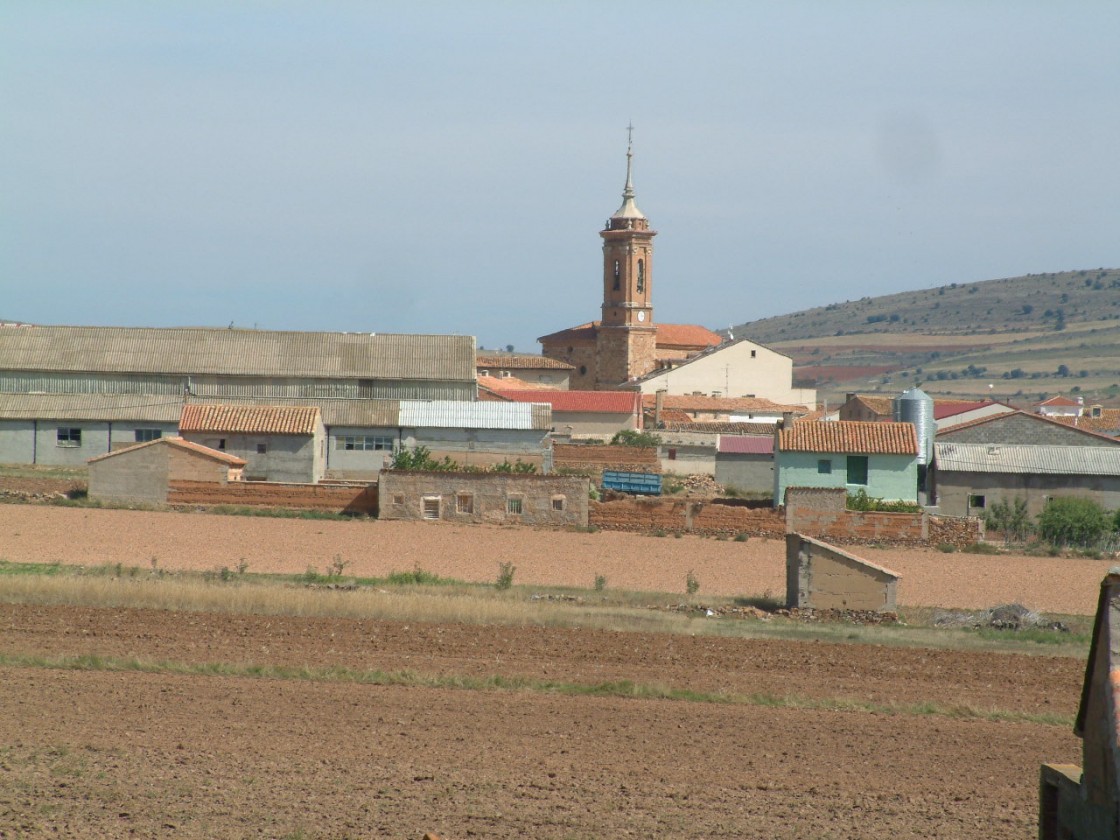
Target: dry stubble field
[101,753]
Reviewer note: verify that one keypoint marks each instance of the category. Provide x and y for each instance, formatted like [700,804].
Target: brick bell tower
[626,343]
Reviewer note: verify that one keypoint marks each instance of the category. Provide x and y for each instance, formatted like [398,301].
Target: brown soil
[89,536]
[116,754]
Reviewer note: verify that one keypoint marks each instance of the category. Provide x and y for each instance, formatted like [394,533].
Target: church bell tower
[627,339]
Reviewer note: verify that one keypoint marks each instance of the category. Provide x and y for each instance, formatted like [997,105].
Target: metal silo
[916,406]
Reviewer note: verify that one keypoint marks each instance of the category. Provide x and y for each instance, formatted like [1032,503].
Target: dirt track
[37,533]
[101,754]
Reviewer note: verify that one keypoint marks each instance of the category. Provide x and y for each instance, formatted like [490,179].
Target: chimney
[787,419]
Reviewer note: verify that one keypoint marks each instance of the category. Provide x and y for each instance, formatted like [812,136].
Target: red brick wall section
[592,460]
[349,499]
[692,517]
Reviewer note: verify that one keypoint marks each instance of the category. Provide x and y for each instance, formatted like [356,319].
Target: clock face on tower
[641,316]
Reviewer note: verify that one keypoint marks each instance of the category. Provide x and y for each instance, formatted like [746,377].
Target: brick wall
[704,518]
[592,460]
[350,499]
[821,512]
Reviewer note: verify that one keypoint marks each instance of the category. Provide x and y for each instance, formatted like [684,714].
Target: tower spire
[629,210]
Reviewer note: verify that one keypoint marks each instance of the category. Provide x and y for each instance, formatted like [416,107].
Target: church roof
[690,336]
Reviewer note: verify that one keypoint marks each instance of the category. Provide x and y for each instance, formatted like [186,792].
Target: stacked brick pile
[592,460]
[357,500]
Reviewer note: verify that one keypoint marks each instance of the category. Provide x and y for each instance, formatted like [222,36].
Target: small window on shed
[559,502]
[146,435]
[398,499]
[262,448]
[464,503]
[672,454]
[429,507]
[824,467]
[754,354]
[514,505]
[69,437]
[976,502]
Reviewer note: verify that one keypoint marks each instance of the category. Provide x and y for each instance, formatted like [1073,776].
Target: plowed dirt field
[93,753]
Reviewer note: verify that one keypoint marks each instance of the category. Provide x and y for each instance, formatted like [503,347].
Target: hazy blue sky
[446,167]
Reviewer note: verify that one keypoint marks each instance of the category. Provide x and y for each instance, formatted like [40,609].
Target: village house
[878,458]
[143,472]
[586,415]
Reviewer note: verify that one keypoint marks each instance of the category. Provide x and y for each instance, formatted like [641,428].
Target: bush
[1073,520]
[632,437]
[505,575]
[600,583]
[1012,520]
[691,584]
[946,548]
[980,548]
[859,500]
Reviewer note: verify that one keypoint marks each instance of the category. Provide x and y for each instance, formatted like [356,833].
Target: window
[398,499]
[484,372]
[641,275]
[145,435]
[262,448]
[976,502]
[583,370]
[364,443]
[857,469]
[754,354]
[672,454]
[69,437]
[558,502]
[464,503]
[824,467]
[513,505]
[429,507]
[617,275]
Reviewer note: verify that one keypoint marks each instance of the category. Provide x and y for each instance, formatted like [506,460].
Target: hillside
[1018,338]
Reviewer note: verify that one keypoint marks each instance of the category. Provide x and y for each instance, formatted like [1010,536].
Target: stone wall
[332,498]
[593,459]
[500,498]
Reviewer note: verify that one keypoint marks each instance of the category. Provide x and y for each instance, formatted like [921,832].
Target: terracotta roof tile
[715,428]
[725,404]
[668,335]
[512,361]
[1065,402]
[601,402]
[250,419]
[850,436]
[746,445]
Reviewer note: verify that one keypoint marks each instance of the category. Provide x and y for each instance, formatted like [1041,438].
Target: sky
[431,167]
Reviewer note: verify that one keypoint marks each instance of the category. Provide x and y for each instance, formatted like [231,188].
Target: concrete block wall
[823,577]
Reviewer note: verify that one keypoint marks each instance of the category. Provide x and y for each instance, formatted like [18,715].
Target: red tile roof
[508,383]
[850,436]
[511,361]
[1062,401]
[753,445]
[668,335]
[250,419]
[179,443]
[598,402]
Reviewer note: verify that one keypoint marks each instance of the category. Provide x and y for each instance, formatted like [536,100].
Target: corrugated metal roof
[850,436]
[250,419]
[451,414]
[141,408]
[236,352]
[1024,458]
[756,445]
